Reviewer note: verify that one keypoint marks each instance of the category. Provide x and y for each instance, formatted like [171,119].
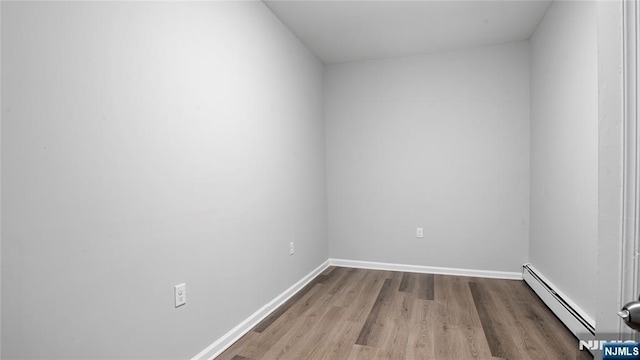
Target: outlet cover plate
[180,292]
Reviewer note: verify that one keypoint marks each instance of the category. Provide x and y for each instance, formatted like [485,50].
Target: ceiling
[342,31]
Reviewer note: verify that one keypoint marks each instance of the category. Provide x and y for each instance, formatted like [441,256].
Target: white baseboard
[244,327]
[571,315]
[426,269]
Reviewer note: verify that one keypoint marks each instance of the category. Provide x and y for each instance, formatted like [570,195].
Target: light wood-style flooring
[349,313]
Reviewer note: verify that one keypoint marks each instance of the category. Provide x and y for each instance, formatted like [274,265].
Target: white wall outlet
[292,249]
[419,233]
[180,292]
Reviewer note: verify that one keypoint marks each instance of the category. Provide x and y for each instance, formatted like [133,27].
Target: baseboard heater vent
[569,313]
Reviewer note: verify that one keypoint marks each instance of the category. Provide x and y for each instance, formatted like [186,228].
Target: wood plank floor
[349,314]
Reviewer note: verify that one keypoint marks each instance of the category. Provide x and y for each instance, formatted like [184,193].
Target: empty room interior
[251,180]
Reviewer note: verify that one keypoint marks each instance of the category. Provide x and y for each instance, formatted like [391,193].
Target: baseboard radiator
[582,326]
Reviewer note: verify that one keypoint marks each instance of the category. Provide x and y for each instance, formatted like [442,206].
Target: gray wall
[0,188]
[564,149]
[145,145]
[437,141]
[610,173]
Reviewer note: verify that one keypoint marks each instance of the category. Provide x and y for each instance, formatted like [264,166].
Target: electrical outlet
[180,292]
[292,250]
[419,233]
